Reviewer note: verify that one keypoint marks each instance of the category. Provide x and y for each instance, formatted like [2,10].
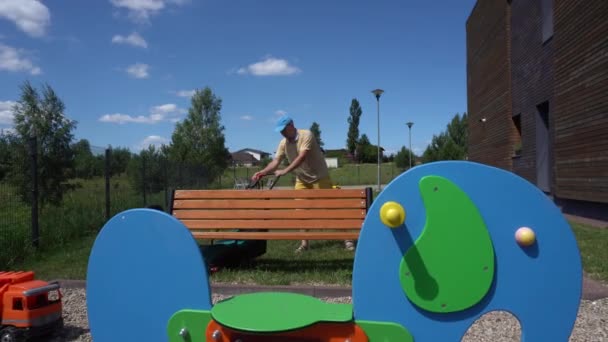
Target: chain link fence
[29,225]
[111,181]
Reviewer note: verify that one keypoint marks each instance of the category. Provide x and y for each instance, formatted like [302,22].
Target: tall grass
[348,174]
[15,226]
[82,213]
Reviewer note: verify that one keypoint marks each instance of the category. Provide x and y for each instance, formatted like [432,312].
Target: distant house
[248,157]
[332,162]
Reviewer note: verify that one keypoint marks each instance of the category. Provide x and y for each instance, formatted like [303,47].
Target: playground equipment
[442,245]
[28,307]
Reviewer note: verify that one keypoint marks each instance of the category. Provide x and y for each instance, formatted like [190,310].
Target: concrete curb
[592,289]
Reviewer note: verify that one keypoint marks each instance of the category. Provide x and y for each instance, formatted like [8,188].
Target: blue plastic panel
[541,284]
[144,267]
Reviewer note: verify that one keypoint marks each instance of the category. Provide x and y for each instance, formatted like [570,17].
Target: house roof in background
[252,150]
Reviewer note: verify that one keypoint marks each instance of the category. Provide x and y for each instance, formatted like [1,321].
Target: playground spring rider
[442,245]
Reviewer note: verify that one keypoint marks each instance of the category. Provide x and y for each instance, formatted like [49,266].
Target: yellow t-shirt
[313,167]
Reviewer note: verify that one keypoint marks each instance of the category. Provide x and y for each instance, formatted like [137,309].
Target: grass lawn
[327,263]
[593,243]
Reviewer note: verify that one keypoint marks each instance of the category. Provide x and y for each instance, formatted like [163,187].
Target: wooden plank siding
[532,81]
[581,100]
[488,84]
[512,70]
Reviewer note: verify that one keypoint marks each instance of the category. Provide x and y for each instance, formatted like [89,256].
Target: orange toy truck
[28,307]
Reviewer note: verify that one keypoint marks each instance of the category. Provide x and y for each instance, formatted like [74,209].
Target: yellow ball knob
[525,236]
[392,214]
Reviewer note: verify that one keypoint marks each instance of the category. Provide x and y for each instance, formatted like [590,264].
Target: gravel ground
[591,325]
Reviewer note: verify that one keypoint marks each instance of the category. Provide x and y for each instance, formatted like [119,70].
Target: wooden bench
[311,214]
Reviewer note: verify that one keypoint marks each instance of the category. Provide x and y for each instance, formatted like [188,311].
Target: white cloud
[155,140]
[280,112]
[30,16]
[247,117]
[269,67]
[142,10]
[12,59]
[138,70]
[185,93]
[124,118]
[6,112]
[133,39]
[7,131]
[167,112]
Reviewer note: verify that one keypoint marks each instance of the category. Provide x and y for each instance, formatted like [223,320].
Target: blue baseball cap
[282,122]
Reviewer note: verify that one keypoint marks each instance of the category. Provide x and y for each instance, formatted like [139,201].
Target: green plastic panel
[385,332]
[277,312]
[450,267]
[195,322]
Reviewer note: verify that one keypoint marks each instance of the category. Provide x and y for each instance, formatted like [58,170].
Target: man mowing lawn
[305,159]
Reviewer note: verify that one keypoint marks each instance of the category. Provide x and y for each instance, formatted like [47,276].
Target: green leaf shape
[277,312]
[450,267]
[195,322]
[385,331]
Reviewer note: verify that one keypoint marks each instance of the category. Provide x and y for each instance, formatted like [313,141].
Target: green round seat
[277,312]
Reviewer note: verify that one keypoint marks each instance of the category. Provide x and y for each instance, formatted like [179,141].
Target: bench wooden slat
[270,204]
[273,224]
[286,214]
[295,235]
[311,214]
[259,194]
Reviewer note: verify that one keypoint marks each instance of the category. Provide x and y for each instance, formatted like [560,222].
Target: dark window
[17,304]
[517,123]
[547,19]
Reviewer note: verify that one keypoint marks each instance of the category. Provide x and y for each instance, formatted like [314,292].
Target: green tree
[5,153]
[146,170]
[119,159]
[265,161]
[316,131]
[353,127]
[366,152]
[402,158]
[450,144]
[199,139]
[44,119]
[85,164]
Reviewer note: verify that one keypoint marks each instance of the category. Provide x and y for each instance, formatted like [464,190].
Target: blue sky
[125,68]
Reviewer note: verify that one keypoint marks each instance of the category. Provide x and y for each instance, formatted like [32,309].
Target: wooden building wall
[518,60]
[531,82]
[581,99]
[488,84]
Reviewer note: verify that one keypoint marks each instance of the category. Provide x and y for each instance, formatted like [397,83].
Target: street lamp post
[378,92]
[409,125]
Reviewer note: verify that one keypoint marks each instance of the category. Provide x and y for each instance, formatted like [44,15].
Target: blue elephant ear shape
[143,268]
[540,283]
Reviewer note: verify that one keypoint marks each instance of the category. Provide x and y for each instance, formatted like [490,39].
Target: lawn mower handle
[255,183]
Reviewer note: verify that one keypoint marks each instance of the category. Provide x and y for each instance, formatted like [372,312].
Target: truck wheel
[8,335]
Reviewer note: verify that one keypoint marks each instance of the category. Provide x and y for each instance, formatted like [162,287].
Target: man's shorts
[324,183]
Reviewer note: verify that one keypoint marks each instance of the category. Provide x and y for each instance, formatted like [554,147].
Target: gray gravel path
[591,324]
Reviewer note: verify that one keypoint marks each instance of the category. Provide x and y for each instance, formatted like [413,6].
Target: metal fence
[28,225]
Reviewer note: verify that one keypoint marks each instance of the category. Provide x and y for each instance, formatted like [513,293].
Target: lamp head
[377,92]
